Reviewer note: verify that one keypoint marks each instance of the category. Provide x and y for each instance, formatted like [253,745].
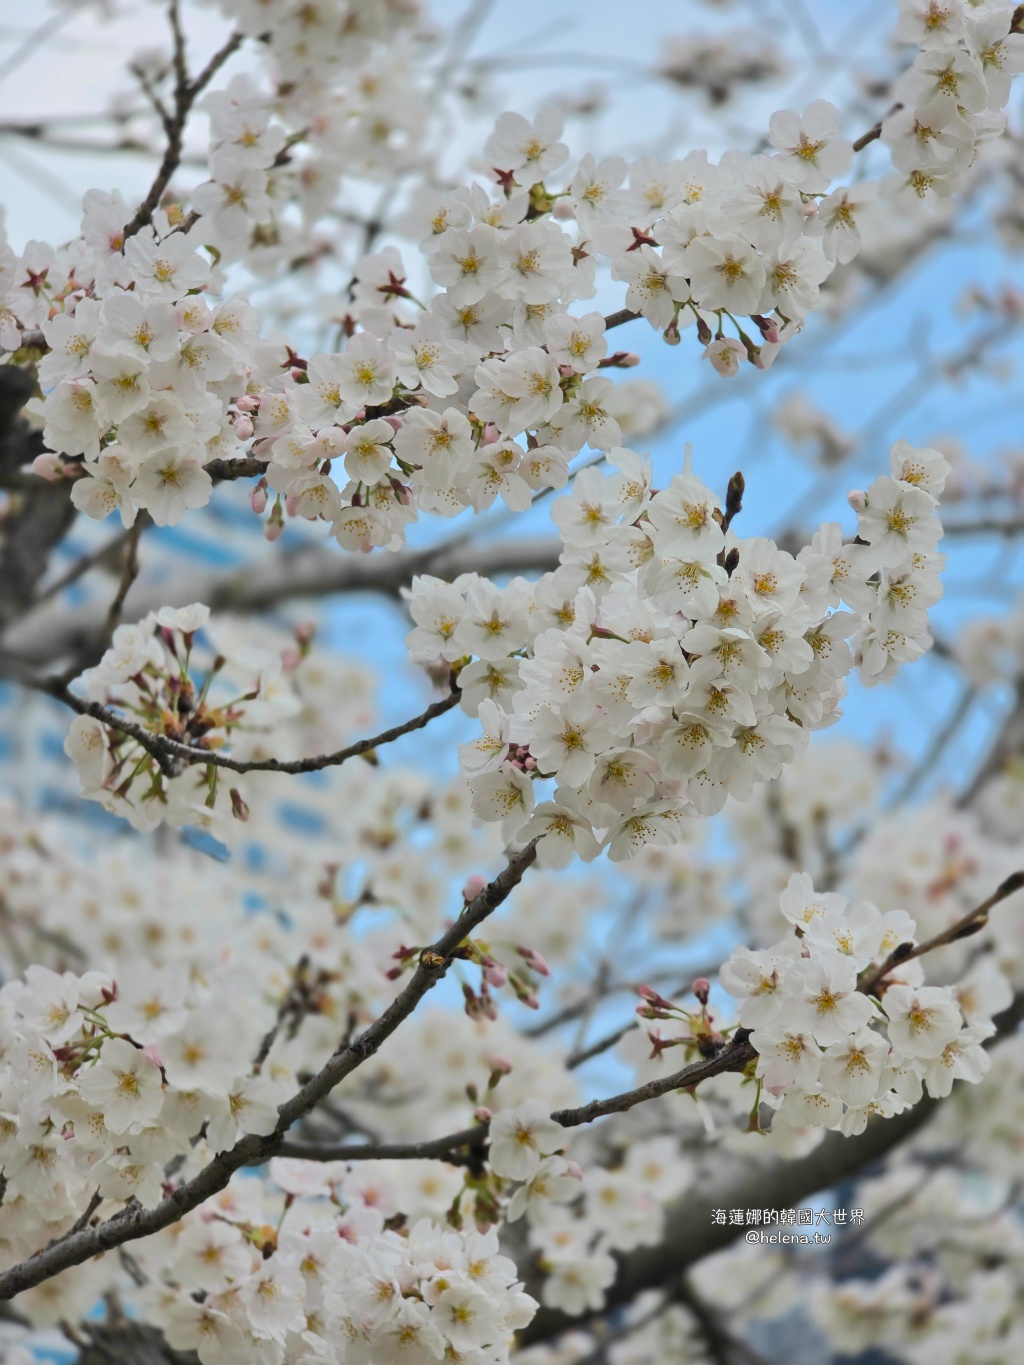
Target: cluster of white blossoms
[140,370]
[104,1084]
[124,1084]
[831,1054]
[667,663]
[954,93]
[318,1262]
[324,1273]
[491,387]
[617,1207]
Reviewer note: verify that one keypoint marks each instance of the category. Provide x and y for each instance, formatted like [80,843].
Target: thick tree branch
[134,1221]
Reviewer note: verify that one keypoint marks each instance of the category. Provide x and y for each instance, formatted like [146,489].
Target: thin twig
[971,923]
[185,94]
[873,134]
[441,1147]
[165,749]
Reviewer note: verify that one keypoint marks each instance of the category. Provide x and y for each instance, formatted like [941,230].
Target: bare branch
[971,923]
[185,94]
[734,1056]
[873,134]
[437,1148]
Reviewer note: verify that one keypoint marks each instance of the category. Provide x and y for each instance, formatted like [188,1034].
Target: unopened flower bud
[768,327]
[249,402]
[474,885]
[701,989]
[482,1114]
[239,809]
[258,498]
[242,425]
[857,499]
[48,466]
[534,961]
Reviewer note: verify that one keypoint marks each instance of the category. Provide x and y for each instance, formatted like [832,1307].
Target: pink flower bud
[394,422]
[482,1114]
[243,426]
[258,498]
[474,885]
[495,975]
[769,327]
[491,434]
[857,499]
[239,809]
[48,466]
[273,530]
[701,989]
[249,402]
[572,1169]
[534,960]
[501,1064]
[291,503]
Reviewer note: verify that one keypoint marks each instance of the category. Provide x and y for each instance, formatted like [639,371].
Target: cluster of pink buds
[520,757]
[701,1034]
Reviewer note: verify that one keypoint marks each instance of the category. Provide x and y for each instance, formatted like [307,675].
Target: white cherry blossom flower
[125,1084]
[520,1137]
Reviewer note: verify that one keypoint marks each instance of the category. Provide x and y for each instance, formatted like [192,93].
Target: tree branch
[433,1148]
[163,748]
[185,94]
[971,923]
